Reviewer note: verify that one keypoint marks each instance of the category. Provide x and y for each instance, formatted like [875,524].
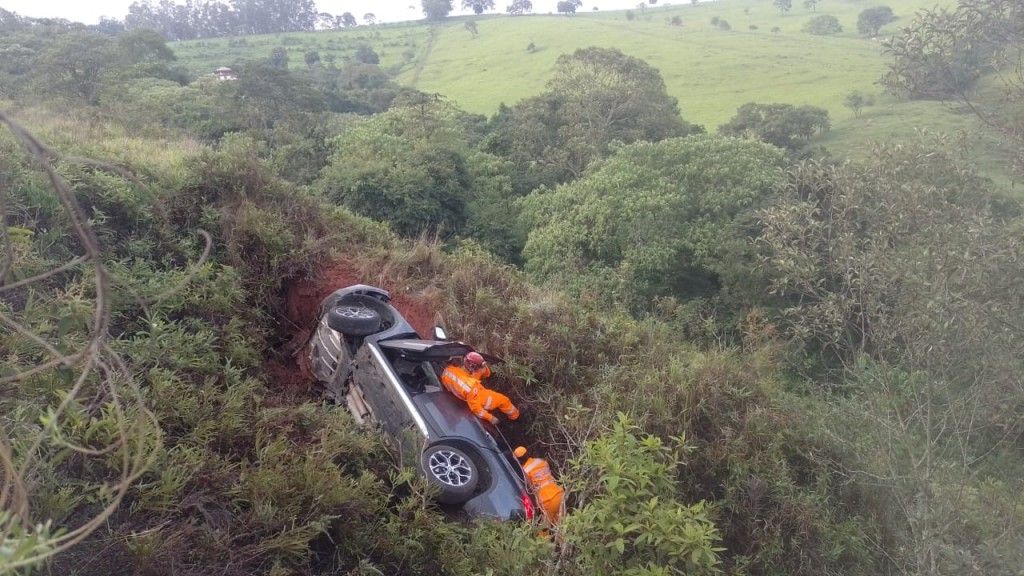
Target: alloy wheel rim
[450,468]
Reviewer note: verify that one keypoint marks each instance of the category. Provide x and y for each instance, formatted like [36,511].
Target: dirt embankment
[289,371]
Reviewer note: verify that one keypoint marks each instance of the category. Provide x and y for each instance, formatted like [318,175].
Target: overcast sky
[89,11]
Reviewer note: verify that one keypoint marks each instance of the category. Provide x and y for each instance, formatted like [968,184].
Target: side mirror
[439,333]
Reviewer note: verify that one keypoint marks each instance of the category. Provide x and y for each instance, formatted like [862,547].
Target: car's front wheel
[452,471]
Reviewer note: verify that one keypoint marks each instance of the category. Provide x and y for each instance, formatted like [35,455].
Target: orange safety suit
[465,385]
[549,493]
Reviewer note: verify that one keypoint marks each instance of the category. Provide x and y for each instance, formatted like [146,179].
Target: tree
[811,5]
[823,25]
[519,7]
[366,55]
[612,475]
[348,20]
[109,26]
[436,9]
[76,63]
[651,220]
[406,166]
[370,18]
[279,58]
[724,25]
[938,56]
[856,101]
[784,6]
[920,316]
[595,96]
[478,6]
[870,21]
[568,6]
[312,58]
[943,52]
[783,125]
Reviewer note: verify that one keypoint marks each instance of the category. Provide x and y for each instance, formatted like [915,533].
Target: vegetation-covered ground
[740,358]
[711,71]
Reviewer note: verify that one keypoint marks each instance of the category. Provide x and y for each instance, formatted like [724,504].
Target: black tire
[452,470]
[353,320]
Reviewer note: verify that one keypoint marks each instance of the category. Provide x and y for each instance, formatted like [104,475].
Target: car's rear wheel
[452,471]
[353,320]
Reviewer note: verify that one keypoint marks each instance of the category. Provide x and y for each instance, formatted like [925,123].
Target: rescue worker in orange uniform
[464,382]
[550,495]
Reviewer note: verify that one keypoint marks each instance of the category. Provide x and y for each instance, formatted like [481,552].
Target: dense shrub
[406,166]
[596,96]
[653,220]
[870,20]
[783,125]
[823,25]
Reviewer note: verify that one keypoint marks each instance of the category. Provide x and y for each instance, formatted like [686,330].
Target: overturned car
[368,358]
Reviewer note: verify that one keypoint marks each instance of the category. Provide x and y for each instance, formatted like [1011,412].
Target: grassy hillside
[710,71]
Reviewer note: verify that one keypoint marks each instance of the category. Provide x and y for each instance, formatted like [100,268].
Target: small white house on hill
[225,73]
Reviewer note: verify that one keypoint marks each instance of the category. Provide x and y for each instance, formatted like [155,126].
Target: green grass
[398,45]
[710,71]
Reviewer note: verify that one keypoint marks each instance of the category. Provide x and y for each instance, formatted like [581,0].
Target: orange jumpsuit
[465,385]
[549,493]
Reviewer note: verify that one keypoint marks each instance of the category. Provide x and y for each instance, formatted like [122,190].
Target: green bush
[823,25]
[650,221]
[633,522]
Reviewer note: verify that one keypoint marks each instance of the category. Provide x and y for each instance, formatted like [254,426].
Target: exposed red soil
[290,371]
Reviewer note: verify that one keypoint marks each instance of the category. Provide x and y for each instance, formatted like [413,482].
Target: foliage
[936,57]
[595,96]
[943,52]
[823,25]
[887,443]
[937,491]
[206,19]
[783,6]
[871,20]
[783,125]
[347,20]
[650,221]
[633,522]
[568,6]
[842,246]
[436,9]
[519,7]
[406,166]
[311,58]
[478,6]
[80,64]
[856,100]
[366,55]
[279,58]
